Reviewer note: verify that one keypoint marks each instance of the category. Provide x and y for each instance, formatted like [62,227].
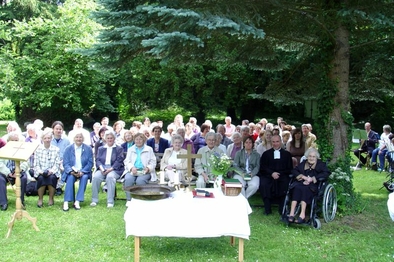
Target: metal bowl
[150,191]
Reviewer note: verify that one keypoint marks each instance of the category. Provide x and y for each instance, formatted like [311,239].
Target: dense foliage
[44,77]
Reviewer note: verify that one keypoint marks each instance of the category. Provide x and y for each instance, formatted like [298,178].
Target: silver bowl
[150,191]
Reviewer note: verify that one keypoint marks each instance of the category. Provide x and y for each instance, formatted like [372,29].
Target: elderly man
[201,165]
[308,137]
[220,129]
[367,146]
[275,167]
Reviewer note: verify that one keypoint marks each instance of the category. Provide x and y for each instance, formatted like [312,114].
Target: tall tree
[305,45]
[44,76]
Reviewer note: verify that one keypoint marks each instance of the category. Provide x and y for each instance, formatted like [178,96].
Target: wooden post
[240,249]
[189,156]
[137,243]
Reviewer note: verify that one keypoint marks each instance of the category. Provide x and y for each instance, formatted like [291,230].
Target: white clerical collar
[277,153]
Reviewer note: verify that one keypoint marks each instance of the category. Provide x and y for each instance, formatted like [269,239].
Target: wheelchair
[324,203]
[389,184]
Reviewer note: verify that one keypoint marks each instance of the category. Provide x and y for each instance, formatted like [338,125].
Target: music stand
[362,136]
[18,151]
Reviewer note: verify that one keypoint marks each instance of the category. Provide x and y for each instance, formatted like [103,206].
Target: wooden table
[141,218]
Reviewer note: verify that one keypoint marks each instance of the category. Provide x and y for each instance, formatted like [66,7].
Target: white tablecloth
[185,216]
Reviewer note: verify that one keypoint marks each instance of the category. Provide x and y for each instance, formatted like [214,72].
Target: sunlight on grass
[98,234]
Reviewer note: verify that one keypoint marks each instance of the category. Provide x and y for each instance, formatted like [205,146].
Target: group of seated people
[376,147]
[259,151]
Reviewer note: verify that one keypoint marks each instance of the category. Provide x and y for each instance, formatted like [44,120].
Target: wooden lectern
[18,151]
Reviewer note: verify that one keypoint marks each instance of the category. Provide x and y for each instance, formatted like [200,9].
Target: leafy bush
[348,200]
[7,111]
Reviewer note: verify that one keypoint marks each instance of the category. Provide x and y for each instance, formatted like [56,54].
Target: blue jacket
[69,160]
[117,158]
[163,144]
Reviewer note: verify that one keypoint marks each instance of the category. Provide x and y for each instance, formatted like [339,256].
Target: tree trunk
[339,74]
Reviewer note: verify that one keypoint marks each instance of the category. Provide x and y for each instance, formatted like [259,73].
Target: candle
[176,178]
[162,182]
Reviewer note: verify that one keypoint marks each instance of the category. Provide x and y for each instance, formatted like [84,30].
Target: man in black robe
[275,167]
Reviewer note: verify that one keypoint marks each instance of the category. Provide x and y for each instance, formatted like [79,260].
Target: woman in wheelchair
[304,188]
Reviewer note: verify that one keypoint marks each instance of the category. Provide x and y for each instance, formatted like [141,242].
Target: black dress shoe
[58,192]
[4,207]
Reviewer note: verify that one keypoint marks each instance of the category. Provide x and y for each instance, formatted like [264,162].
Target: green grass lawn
[98,234]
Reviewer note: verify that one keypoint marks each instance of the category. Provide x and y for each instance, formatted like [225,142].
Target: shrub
[7,111]
[348,199]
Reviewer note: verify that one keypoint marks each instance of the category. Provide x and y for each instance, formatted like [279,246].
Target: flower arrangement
[220,164]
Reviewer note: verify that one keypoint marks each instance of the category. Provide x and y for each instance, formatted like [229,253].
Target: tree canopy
[304,47]
[43,76]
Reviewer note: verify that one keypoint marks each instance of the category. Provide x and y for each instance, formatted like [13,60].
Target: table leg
[137,243]
[240,249]
[232,241]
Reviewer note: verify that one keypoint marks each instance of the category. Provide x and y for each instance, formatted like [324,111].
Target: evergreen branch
[371,42]
[294,39]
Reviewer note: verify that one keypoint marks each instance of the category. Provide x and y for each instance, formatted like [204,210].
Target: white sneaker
[93,204]
[65,206]
[110,205]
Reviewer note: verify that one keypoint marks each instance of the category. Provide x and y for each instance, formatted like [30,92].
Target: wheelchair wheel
[316,223]
[329,206]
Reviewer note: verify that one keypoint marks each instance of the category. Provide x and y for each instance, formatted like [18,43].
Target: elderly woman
[94,135]
[285,138]
[178,121]
[78,163]
[181,131]
[219,144]
[46,167]
[109,166]
[129,141]
[202,164]
[119,132]
[140,164]
[173,167]
[247,164]
[233,148]
[32,134]
[305,188]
